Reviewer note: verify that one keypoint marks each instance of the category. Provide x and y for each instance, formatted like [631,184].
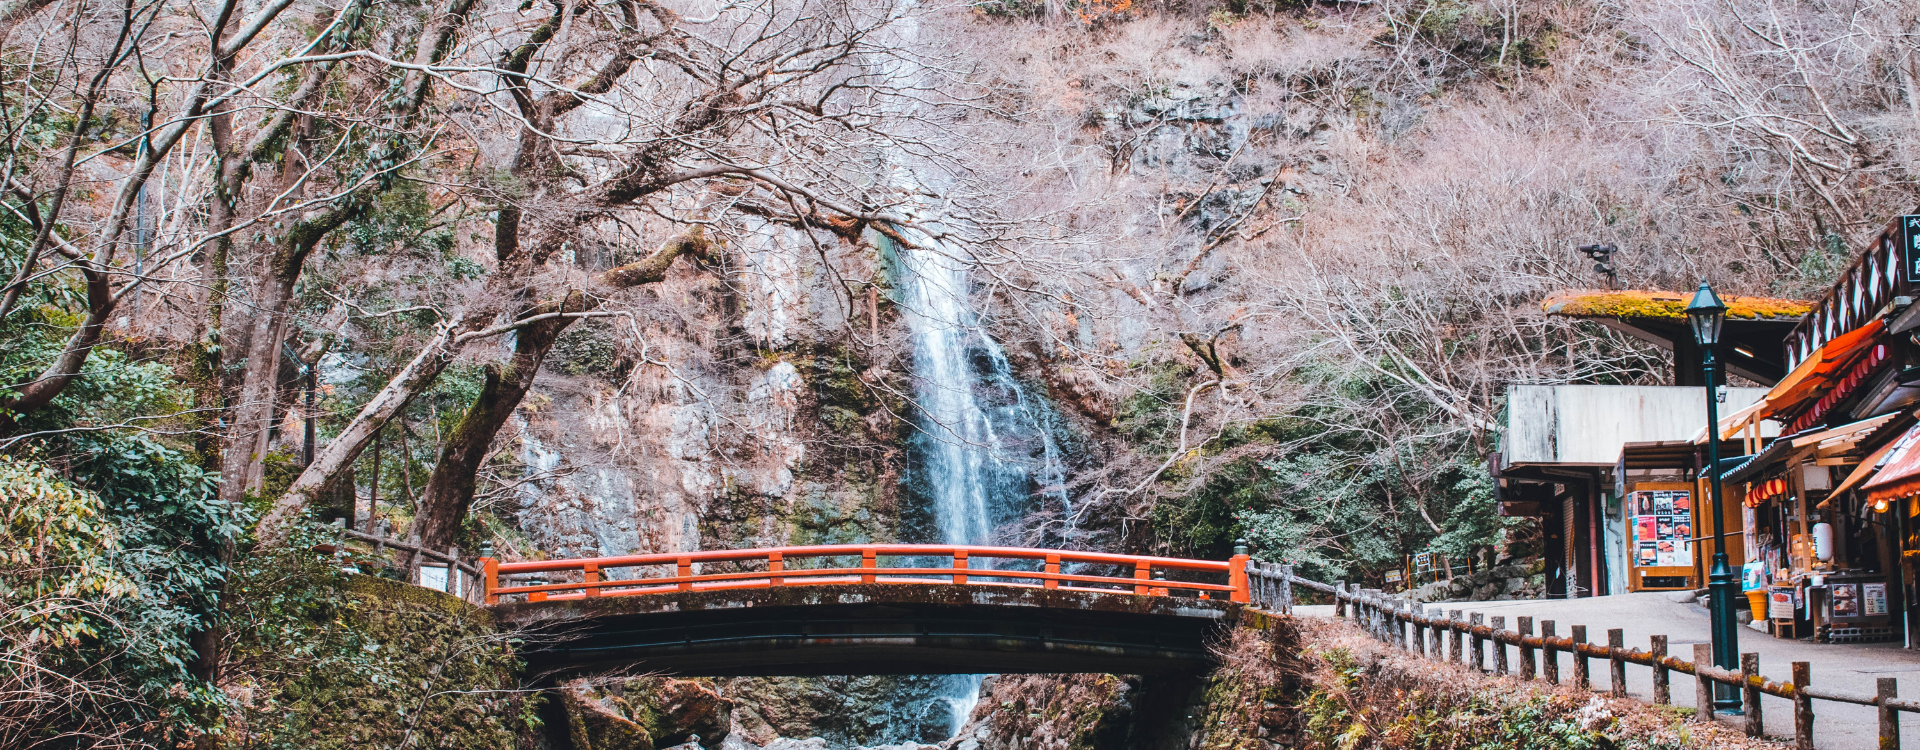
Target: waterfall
[984,445]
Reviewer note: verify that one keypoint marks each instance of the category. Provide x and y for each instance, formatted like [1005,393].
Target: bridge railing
[665,573]
[1414,628]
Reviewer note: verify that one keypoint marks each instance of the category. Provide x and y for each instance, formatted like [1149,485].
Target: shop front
[1826,509]
[1820,565]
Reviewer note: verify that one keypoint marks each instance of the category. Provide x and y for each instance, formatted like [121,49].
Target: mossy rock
[332,661]
[645,713]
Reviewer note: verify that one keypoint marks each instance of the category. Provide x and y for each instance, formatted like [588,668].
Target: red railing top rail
[855,550]
[593,581]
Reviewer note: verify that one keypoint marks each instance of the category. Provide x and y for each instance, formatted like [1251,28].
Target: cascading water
[984,449]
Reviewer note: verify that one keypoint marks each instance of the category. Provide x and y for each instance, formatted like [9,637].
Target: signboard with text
[1909,235]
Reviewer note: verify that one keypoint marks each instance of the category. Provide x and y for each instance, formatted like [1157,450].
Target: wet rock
[592,726]
[843,711]
[646,713]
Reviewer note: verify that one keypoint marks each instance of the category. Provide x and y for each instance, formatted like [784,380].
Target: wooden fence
[1447,636]
[462,575]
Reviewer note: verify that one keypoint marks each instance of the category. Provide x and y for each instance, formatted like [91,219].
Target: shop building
[1827,510]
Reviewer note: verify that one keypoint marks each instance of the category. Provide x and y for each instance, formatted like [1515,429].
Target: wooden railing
[1413,628]
[460,574]
[666,573]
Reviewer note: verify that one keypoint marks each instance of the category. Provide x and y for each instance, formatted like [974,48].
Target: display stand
[1659,531]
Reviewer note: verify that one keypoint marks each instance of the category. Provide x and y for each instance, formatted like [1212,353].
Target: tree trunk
[449,493]
[455,477]
[341,451]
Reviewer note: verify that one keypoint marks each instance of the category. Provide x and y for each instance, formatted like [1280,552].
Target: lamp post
[1705,314]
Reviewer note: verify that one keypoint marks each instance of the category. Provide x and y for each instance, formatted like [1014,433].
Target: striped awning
[1899,475]
[1818,374]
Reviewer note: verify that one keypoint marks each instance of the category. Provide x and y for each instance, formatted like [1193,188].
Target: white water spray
[983,446]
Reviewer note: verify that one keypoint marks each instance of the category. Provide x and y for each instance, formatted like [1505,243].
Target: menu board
[1846,599]
[1874,598]
[1662,525]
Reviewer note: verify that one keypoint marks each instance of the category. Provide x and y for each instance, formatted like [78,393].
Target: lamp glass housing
[1706,315]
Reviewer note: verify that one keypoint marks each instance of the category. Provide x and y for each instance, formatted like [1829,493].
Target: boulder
[645,713]
[593,726]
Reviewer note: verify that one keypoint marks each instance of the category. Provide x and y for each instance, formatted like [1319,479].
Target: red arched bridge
[869,609]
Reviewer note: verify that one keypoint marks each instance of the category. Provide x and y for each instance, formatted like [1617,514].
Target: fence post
[1550,665]
[1237,571]
[1340,598]
[1889,718]
[1750,694]
[1418,644]
[1286,589]
[1703,685]
[1499,647]
[1453,636]
[1436,649]
[1582,671]
[1479,656]
[1802,706]
[1662,690]
[1617,674]
[1402,623]
[490,569]
[1527,653]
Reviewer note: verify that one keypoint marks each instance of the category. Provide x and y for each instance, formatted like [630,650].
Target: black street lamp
[1706,315]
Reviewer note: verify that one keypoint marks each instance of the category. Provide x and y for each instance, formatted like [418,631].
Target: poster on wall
[1873,598]
[1846,600]
[1661,527]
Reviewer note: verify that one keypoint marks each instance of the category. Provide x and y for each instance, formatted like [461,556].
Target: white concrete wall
[1587,424]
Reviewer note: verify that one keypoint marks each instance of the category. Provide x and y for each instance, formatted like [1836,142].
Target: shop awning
[1867,467]
[1808,438]
[1818,373]
[1760,461]
[1900,476]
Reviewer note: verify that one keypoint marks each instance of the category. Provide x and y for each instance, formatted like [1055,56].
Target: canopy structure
[1818,375]
[1753,337]
[1899,474]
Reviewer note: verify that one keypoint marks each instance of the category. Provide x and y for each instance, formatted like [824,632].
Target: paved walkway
[1838,726]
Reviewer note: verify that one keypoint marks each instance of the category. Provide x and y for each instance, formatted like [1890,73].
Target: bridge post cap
[486,548]
[1240,546]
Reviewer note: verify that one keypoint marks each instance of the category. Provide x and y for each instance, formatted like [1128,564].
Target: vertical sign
[1909,235]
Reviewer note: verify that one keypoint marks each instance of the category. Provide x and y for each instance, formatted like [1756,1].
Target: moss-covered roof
[1670,306]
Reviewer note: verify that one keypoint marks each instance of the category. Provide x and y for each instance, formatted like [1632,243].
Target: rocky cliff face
[765,399]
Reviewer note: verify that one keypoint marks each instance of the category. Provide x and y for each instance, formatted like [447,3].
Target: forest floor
[1853,667]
